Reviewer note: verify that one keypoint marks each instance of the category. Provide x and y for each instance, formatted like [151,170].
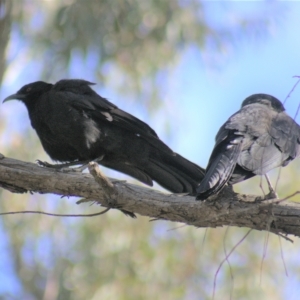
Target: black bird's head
[30,92]
[264,99]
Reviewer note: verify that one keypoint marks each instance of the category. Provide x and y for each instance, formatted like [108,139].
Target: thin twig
[54,215]
[229,265]
[225,259]
[289,94]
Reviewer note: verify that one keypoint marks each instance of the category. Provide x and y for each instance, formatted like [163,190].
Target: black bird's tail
[170,170]
[220,168]
[175,173]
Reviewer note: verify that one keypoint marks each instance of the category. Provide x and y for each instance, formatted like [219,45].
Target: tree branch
[226,208]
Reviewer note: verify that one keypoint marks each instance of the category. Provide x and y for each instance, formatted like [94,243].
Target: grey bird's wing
[221,163]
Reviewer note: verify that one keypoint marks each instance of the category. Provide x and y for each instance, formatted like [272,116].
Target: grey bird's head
[264,99]
[30,92]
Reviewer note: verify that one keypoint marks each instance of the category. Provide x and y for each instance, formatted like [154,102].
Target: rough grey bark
[227,208]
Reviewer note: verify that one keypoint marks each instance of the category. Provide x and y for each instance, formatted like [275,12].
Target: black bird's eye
[28,89]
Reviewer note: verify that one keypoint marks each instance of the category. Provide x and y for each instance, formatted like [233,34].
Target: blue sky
[208,98]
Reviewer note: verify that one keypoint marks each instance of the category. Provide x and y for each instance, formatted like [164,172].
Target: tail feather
[221,166]
[128,169]
[171,171]
[182,176]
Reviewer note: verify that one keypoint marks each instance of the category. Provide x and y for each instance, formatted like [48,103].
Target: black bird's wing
[100,109]
[130,145]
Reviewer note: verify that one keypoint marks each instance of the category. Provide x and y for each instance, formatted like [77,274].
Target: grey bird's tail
[221,166]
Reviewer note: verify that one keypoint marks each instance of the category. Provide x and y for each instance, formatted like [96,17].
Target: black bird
[75,124]
[258,138]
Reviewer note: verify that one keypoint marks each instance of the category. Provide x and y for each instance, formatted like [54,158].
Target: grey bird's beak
[14,97]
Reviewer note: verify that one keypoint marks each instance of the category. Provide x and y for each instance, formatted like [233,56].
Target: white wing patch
[107,115]
[91,132]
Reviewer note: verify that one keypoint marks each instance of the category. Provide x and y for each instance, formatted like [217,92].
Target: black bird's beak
[14,97]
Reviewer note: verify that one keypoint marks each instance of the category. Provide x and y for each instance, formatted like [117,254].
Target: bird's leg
[85,164]
[272,194]
[109,188]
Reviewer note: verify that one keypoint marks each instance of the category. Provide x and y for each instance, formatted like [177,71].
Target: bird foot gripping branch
[66,166]
[63,167]
[109,188]
[271,195]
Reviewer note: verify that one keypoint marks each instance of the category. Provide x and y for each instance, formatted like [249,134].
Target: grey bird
[261,136]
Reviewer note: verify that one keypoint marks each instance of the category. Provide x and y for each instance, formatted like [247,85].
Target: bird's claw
[65,168]
[271,195]
[44,164]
